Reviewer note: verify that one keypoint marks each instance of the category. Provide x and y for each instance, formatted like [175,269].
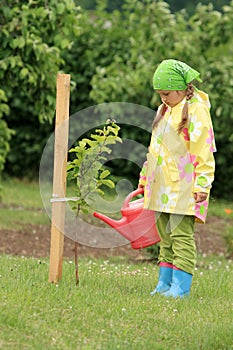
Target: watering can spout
[111,222]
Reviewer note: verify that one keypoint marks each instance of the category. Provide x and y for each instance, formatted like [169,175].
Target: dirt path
[35,241]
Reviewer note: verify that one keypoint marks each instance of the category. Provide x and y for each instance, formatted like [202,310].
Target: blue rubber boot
[165,279]
[181,284]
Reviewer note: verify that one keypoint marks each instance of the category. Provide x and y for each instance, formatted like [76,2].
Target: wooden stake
[59,176]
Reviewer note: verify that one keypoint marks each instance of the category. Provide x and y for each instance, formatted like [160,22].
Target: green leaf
[23,73]
[82,144]
[100,192]
[90,142]
[18,42]
[108,183]
[104,174]
[60,8]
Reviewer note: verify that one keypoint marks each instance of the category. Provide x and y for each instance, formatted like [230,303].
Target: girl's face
[171,97]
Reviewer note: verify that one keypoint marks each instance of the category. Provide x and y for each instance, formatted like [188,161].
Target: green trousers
[177,245]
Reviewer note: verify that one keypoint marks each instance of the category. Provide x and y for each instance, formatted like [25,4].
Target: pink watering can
[137,224]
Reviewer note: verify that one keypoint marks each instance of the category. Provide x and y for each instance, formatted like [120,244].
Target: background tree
[202,40]
[175,6]
[111,56]
[33,35]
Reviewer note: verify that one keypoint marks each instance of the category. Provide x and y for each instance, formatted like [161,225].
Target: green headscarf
[174,75]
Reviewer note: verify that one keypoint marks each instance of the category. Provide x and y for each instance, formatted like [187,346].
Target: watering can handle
[131,196]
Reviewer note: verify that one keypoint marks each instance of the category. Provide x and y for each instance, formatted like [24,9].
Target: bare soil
[34,241]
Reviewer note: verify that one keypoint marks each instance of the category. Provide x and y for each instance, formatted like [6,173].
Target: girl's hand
[200,196]
[140,186]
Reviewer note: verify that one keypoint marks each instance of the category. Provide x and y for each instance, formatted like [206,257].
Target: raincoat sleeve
[142,175]
[202,146]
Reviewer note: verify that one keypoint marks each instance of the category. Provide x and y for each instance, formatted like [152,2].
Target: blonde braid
[159,115]
[184,114]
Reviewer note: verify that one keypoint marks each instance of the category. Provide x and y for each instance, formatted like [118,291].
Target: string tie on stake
[56,198]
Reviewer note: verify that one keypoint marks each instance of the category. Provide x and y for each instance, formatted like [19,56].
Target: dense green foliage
[32,35]
[111,57]
[5,132]
[175,6]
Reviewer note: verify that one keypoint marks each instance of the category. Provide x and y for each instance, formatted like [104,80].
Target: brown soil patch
[35,241]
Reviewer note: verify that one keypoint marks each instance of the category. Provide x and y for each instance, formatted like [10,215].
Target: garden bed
[34,240]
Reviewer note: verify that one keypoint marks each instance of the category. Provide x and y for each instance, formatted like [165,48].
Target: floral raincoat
[178,166]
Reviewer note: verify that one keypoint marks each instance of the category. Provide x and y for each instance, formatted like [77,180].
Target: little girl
[178,173]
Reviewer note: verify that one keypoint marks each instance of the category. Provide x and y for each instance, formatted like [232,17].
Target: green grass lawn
[21,204]
[22,193]
[111,308]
